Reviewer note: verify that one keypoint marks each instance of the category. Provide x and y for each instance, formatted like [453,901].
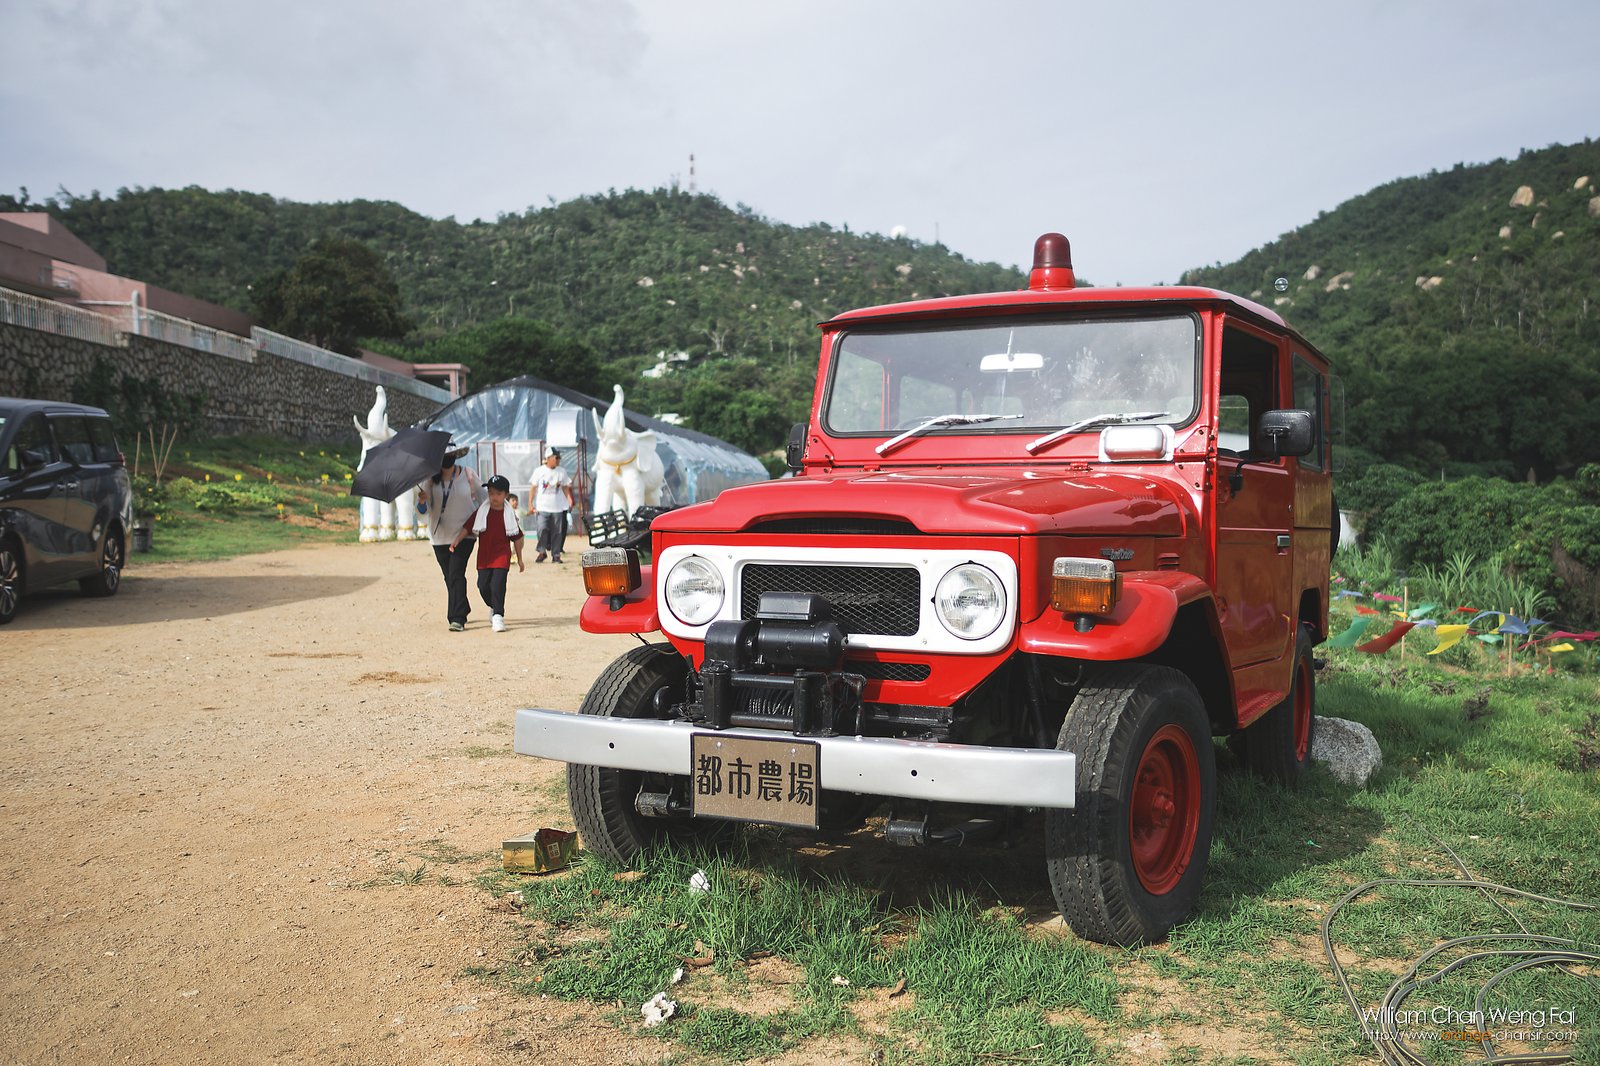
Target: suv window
[104,440]
[72,437]
[1308,397]
[1047,371]
[31,436]
[1249,390]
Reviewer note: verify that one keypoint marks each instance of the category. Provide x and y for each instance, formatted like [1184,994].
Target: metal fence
[180,331]
[301,352]
[20,309]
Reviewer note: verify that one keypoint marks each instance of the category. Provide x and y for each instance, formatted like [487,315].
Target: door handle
[1283,542]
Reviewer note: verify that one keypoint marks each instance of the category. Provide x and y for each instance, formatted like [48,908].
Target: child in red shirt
[498,532]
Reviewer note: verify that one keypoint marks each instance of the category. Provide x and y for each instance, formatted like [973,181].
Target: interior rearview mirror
[1006,362]
[1287,432]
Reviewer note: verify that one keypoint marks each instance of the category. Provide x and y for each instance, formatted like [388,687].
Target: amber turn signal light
[610,571]
[1084,586]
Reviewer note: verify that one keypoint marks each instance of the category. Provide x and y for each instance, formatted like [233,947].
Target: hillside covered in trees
[623,275]
[1463,324]
[1462,310]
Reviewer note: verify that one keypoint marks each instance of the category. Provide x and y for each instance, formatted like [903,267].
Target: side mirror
[31,459]
[795,450]
[1287,432]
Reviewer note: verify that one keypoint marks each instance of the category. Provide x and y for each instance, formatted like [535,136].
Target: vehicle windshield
[1036,374]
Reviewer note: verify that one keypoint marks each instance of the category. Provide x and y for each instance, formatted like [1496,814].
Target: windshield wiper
[1112,419]
[933,423]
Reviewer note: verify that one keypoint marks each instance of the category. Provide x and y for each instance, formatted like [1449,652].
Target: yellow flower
[238,477]
[324,479]
[208,477]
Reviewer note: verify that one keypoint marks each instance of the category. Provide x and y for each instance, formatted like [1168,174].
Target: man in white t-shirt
[552,499]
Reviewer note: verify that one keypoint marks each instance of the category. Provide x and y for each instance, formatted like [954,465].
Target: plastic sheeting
[697,466]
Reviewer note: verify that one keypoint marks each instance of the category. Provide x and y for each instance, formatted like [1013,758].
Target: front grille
[888,671]
[881,600]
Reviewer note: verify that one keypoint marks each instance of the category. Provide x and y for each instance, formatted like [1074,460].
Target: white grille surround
[931,635]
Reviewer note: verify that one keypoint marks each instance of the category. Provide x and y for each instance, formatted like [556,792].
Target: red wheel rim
[1302,711]
[1164,810]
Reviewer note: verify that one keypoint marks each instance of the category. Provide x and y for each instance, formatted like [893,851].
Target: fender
[1137,626]
[638,613]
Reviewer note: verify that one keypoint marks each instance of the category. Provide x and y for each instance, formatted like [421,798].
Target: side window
[1308,397]
[1249,390]
[72,437]
[104,440]
[32,436]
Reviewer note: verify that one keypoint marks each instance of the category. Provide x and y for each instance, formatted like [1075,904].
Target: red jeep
[1041,547]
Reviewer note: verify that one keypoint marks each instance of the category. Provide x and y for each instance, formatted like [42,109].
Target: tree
[336,293]
[512,347]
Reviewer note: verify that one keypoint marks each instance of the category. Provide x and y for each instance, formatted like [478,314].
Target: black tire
[10,580]
[113,557]
[1277,746]
[602,798]
[1127,863]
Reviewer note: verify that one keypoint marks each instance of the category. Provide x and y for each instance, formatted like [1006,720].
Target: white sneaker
[497,623]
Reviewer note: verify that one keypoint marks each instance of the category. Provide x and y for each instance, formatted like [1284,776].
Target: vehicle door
[32,469]
[76,490]
[1255,497]
[112,492]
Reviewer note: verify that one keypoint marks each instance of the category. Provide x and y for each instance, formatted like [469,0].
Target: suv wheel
[602,797]
[1127,863]
[109,579]
[10,580]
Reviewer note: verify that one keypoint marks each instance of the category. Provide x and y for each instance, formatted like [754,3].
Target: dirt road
[217,787]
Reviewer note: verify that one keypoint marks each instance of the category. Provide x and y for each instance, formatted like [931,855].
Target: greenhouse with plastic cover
[513,425]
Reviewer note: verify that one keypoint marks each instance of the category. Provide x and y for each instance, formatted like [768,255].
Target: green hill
[1466,326]
[630,274]
[1466,330]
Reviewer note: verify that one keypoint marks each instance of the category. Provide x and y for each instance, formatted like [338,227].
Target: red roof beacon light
[1052,263]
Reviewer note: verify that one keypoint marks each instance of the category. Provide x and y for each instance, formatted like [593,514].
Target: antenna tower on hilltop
[691,173]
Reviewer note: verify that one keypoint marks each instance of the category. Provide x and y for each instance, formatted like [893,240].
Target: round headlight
[693,591]
[970,601]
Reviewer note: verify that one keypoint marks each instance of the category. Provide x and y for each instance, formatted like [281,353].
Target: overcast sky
[1157,136]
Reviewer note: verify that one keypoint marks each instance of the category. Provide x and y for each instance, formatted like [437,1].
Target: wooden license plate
[753,779]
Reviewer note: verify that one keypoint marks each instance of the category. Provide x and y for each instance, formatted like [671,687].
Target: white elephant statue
[379,520]
[627,470]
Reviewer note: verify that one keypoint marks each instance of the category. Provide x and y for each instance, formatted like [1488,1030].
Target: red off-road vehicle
[1041,548]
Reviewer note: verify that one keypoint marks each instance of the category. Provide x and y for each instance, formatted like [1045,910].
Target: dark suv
[66,502]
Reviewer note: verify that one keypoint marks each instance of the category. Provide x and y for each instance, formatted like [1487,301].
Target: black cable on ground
[1527,948]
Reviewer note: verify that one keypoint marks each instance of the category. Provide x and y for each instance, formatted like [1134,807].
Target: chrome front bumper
[879,766]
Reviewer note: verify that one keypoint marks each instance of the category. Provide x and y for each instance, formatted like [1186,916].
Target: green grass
[222,497]
[1505,790]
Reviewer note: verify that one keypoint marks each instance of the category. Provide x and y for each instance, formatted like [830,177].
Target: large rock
[1348,748]
[1594,207]
[1523,197]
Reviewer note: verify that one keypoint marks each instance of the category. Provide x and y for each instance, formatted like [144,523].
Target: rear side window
[104,440]
[32,436]
[72,437]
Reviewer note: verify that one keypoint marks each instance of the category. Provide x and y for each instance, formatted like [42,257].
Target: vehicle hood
[996,501]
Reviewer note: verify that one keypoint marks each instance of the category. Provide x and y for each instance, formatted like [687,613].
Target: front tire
[112,559]
[1277,746]
[602,798]
[10,580]
[1127,863]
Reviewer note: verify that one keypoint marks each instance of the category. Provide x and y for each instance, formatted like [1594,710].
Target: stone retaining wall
[273,395]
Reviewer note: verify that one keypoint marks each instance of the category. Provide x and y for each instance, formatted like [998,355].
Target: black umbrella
[400,463]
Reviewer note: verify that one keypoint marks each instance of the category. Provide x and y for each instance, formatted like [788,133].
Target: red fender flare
[1136,626]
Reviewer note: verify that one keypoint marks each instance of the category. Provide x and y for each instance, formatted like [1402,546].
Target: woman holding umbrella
[445,500]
